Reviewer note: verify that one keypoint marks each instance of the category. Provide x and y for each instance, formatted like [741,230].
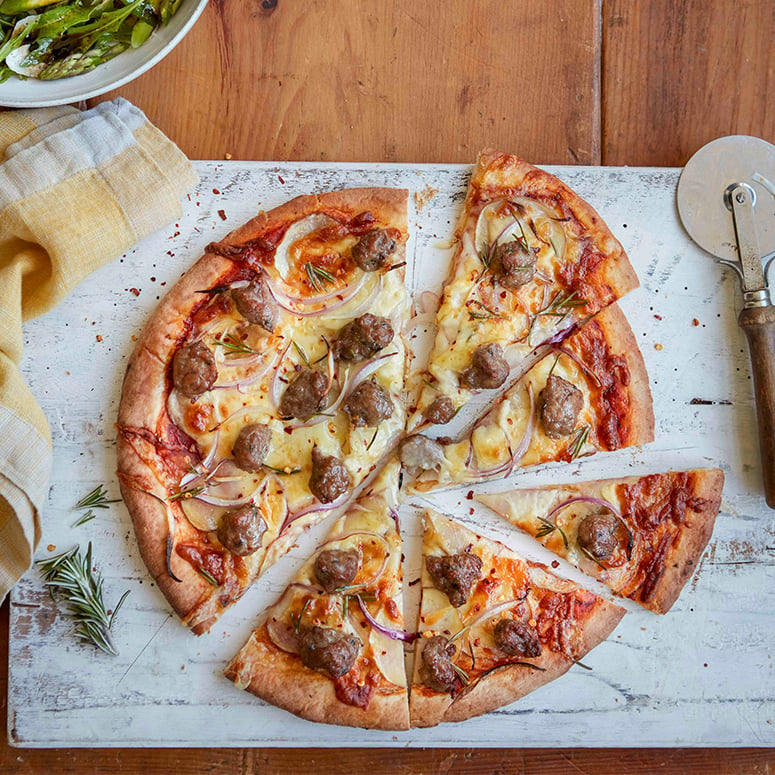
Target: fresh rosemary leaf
[547,528]
[487,312]
[87,517]
[96,499]
[209,577]
[282,471]
[376,431]
[461,674]
[297,619]
[185,494]
[578,441]
[71,578]
[318,277]
[300,351]
[234,345]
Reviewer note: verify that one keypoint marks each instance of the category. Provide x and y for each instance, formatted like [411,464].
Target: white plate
[31,93]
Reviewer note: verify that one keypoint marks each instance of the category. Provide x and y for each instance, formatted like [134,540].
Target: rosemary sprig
[72,576]
[96,499]
[282,471]
[373,438]
[560,306]
[297,619]
[300,351]
[486,315]
[547,528]
[461,674]
[325,354]
[234,345]
[578,441]
[185,494]
[318,277]
[591,556]
[87,517]
[209,576]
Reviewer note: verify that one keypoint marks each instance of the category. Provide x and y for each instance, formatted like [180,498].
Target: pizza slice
[263,391]
[643,536]
[493,626]
[532,259]
[588,393]
[331,648]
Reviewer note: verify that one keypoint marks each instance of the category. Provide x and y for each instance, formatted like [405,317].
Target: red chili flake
[471,511]
[695,322]
[280,178]
[470,495]
[135,291]
[658,317]
[555,564]
[99,337]
[222,214]
[216,191]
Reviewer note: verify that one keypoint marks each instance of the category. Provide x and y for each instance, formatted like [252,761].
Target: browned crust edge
[620,341]
[684,555]
[144,388]
[282,680]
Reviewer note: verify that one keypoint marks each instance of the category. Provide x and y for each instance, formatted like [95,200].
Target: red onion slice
[283,636]
[314,507]
[274,390]
[391,632]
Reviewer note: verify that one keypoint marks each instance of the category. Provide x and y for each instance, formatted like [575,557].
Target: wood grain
[679,73]
[384,80]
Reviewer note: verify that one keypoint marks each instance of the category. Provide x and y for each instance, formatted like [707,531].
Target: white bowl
[15,93]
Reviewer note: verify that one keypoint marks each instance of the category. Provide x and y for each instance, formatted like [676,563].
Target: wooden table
[635,82]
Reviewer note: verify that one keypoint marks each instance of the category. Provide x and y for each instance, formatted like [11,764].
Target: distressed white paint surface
[702,675]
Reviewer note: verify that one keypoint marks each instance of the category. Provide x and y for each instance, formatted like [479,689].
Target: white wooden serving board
[701,675]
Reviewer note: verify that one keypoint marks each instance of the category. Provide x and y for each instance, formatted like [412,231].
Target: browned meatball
[252,446]
[373,250]
[513,265]
[436,670]
[488,368]
[255,304]
[193,369]
[305,395]
[441,411]
[329,477]
[600,535]
[323,648]
[362,338]
[560,403]
[241,530]
[368,405]
[517,639]
[455,575]
[336,568]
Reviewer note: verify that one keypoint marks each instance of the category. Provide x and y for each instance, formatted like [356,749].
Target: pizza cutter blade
[726,201]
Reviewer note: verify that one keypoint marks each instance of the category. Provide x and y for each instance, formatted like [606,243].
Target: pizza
[493,626]
[532,260]
[263,392]
[642,536]
[589,392]
[330,649]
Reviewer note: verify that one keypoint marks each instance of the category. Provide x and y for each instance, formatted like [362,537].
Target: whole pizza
[272,388]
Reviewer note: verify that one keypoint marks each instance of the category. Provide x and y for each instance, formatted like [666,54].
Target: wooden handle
[759,326]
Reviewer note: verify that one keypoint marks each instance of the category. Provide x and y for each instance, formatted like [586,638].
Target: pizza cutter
[726,200]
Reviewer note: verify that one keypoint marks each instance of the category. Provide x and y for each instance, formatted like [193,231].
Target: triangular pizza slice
[588,393]
[532,258]
[493,626]
[643,536]
[330,649]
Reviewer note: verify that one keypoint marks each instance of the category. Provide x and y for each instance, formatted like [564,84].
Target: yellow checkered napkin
[76,190]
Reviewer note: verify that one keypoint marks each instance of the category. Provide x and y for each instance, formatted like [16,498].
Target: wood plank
[679,73]
[384,80]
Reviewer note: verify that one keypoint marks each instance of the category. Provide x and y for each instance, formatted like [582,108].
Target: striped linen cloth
[76,190]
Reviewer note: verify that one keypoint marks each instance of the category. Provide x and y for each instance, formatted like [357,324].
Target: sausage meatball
[517,639]
[600,535]
[362,338]
[336,568]
[560,402]
[329,477]
[323,648]
[193,369]
[513,265]
[436,669]
[488,368]
[455,575]
[305,395]
[255,304]
[241,530]
[373,250]
[252,446]
[369,404]
[441,411]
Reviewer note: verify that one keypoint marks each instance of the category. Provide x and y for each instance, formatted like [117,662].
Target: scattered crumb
[421,198]
[227,156]
[657,346]
[51,547]
[134,337]
[99,337]
[695,322]
[135,291]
